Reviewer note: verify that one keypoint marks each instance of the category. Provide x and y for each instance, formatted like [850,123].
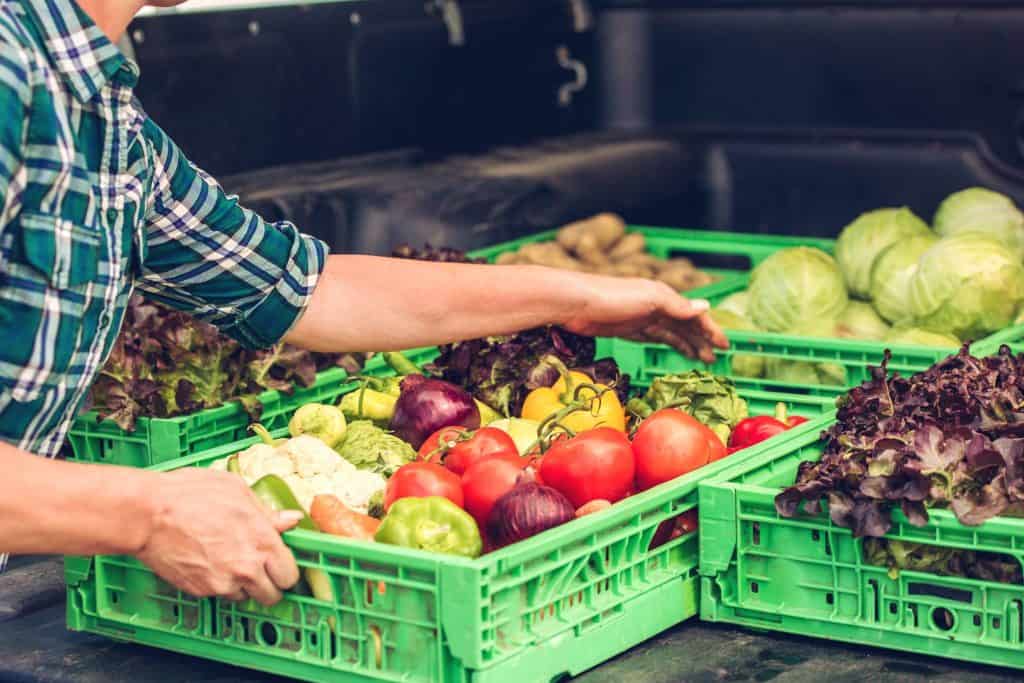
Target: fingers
[281,569]
[263,590]
[681,308]
[286,520]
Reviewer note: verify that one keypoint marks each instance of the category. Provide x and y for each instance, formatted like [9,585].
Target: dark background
[362,123]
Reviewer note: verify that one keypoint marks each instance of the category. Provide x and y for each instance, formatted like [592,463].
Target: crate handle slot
[936,591]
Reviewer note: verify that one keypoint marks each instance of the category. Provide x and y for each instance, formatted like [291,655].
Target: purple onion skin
[426,405]
[525,511]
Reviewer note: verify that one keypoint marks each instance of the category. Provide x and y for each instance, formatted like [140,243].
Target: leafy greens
[950,437]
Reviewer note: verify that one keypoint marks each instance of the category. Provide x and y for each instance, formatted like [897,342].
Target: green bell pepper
[435,524]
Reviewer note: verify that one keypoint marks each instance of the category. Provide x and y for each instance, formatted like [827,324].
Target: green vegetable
[369,404]
[326,423]
[862,241]
[737,303]
[804,372]
[275,494]
[860,321]
[523,432]
[710,399]
[743,364]
[982,212]
[400,364]
[369,447]
[807,372]
[165,363]
[922,557]
[434,524]
[967,286]
[891,275]
[915,335]
[793,286]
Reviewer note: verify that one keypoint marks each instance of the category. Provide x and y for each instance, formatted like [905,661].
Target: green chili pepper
[275,493]
[435,524]
[400,364]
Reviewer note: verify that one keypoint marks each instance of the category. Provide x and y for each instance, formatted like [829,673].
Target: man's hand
[212,537]
[645,310]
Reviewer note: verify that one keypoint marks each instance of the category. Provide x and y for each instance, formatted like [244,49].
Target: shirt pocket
[65,253]
[52,295]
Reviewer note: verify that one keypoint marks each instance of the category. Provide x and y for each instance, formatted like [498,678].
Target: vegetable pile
[951,437]
[893,279]
[421,462]
[165,363]
[600,244]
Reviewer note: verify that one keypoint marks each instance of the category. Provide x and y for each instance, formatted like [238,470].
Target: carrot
[333,517]
[593,506]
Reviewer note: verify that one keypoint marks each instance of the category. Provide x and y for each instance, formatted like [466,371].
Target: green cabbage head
[984,212]
[891,274]
[793,286]
[743,364]
[861,242]
[967,286]
[735,303]
[807,373]
[919,337]
[860,321]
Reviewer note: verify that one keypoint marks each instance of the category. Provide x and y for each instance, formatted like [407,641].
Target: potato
[606,228]
[548,254]
[508,258]
[630,269]
[590,251]
[630,245]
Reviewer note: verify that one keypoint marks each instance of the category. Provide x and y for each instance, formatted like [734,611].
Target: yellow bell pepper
[600,408]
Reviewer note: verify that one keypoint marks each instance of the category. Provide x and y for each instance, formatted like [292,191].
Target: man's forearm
[367,303]
[48,506]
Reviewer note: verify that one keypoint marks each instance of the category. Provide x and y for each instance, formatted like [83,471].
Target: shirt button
[104,319]
[111,215]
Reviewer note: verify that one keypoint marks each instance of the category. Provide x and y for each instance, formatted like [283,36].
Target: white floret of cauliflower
[302,490]
[355,487]
[252,461]
[311,456]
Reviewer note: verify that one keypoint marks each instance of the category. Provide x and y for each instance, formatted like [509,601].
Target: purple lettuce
[951,437]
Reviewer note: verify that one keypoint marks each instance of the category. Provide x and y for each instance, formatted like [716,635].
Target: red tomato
[594,464]
[716,449]
[431,448]
[674,528]
[487,480]
[457,449]
[420,480]
[668,444]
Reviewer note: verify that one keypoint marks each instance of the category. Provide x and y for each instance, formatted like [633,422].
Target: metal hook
[567,90]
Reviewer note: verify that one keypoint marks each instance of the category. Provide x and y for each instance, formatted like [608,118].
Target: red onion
[525,511]
[426,405]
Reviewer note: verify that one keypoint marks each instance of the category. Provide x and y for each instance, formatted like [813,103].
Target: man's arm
[203,531]
[367,303]
[253,279]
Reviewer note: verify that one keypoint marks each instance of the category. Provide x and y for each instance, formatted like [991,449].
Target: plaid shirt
[96,200]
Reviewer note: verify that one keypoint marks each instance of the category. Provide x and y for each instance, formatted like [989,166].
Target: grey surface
[35,647]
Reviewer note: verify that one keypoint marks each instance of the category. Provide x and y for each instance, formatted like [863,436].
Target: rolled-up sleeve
[207,255]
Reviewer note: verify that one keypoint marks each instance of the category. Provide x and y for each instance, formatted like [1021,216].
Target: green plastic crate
[158,440]
[553,605]
[727,255]
[807,576]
